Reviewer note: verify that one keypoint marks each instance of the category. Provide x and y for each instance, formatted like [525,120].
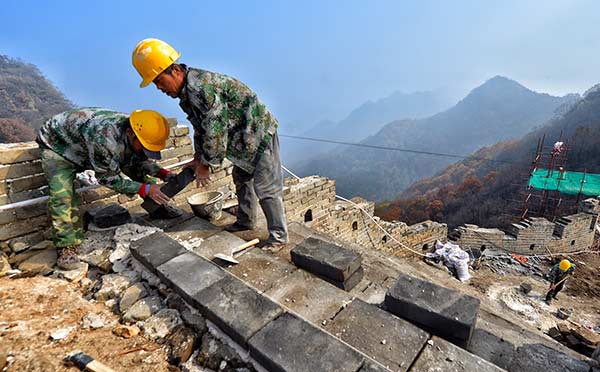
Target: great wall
[286,303]
[311,200]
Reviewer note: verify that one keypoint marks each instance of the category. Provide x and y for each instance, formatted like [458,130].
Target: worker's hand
[553,287]
[171,176]
[158,196]
[202,172]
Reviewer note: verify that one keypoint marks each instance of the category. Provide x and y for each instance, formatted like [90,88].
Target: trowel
[230,258]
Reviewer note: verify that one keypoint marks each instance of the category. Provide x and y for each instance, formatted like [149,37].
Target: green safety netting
[566,182]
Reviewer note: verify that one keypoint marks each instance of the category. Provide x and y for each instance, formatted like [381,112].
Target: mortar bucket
[207,204]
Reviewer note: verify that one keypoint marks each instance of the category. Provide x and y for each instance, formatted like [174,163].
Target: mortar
[207,204]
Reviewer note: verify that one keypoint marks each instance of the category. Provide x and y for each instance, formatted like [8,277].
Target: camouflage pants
[63,204]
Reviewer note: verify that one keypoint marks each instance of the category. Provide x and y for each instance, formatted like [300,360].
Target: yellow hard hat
[151,57]
[152,129]
[564,265]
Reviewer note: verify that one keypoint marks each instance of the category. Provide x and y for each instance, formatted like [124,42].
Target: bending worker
[104,141]
[229,121]
[558,276]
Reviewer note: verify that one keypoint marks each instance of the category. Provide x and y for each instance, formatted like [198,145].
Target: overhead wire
[396,149]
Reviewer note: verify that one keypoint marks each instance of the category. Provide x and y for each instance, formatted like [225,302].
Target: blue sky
[308,60]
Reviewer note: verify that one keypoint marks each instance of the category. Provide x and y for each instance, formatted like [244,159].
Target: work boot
[67,257]
[235,227]
[166,212]
[272,247]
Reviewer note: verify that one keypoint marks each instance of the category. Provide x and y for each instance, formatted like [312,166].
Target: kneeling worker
[558,276]
[108,143]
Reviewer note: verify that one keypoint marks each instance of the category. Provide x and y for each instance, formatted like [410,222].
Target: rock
[74,275]
[126,331]
[587,336]
[174,301]
[93,321]
[133,275]
[195,321]
[46,244]
[59,334]
[526,288]
[112,286]
[132,295]
[160,325]
[18,246]
[4,268]
[3,359]
[143,309]
[180,345]
[98,258]
[215,355]
[41,263]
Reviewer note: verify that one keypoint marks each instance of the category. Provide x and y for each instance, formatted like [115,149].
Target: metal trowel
[230,258]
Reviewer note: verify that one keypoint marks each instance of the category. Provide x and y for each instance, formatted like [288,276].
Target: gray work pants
[266,183]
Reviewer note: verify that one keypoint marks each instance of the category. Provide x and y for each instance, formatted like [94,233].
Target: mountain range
[481,188]
[500,109]
[27,99]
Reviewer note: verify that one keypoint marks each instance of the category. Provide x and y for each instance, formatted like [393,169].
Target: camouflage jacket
[94,138]
[228,119]
[555,274]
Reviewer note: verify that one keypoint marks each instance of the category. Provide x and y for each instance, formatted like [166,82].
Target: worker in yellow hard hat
[558,276]
[109,143]
[229,122]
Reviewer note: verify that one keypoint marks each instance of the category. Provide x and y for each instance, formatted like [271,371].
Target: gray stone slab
[391,341]
[326,259]
[309,296]
[260,269]
[193,228]
[492,348]
[156,249]
[166,224]
[370,366]
[439,310]
[291,344]
[441,355]
[541,358]
[237,309]
[222,242]
[349,283]
[107,216]
[189,273]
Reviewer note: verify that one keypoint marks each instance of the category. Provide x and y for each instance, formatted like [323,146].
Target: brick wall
[311,201]
[22,178]
[534,235]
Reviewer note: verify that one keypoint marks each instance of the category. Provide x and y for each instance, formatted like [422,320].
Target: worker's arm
[108,172]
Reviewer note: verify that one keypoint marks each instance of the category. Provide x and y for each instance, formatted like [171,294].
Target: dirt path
[33,308]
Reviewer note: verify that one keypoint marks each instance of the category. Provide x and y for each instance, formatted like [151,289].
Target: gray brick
[291,344]
[108,215]
[189,274]
[440,355]
[349,283]
[326,259]
[391,341]
[441,311]
[538,357]
[156,249]
[236,308]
